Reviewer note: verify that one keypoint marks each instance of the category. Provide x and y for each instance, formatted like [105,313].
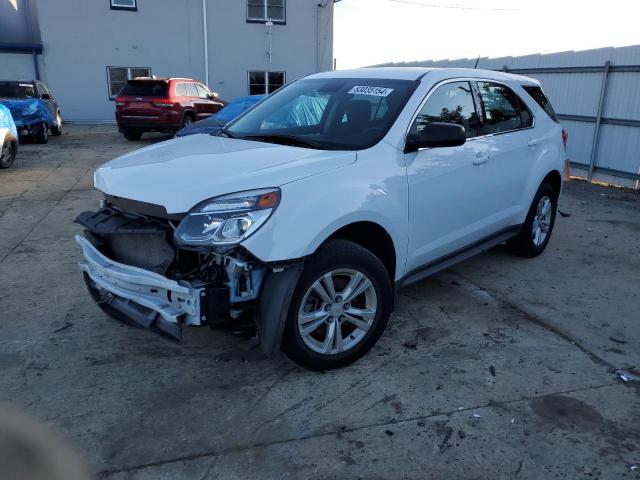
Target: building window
[265,10]
[263,83]
[117,77]
[124,5]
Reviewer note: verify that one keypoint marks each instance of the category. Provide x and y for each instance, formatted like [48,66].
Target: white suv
[309,210]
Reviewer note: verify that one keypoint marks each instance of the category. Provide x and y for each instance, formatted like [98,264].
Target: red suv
[163,105]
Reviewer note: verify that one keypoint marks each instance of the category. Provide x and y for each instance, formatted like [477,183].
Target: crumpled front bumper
[145,298]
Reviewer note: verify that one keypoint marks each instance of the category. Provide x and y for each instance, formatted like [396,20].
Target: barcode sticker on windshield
[375,91]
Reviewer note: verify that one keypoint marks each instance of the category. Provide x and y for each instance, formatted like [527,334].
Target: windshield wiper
[286,140]
[226,132]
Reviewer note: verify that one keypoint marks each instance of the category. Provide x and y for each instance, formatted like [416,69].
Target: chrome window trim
[468,79]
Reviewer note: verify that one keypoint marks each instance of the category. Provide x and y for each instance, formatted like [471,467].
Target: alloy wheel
[337,311]
[541,221]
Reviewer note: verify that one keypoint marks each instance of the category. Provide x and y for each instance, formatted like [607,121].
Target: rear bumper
[149,126]
[145,298]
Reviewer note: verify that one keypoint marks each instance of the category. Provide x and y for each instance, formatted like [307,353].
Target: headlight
[227,220]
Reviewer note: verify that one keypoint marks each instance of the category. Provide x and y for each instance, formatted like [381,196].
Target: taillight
[120,102]
[162,102]
[565,137]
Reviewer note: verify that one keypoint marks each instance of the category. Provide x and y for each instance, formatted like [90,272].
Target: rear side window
[145,89]
[541,99]
[450,103]
[181,90]
[504,111]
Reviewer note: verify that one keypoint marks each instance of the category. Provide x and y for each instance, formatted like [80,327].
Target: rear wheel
[538,226]
[43,133]
[8,153]
[56,130]
[341,306]
[187,120]
[132,134]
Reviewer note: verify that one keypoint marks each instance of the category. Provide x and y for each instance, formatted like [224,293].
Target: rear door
[448,187]
[509,128]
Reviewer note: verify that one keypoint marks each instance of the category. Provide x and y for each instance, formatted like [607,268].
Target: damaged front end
[137,272]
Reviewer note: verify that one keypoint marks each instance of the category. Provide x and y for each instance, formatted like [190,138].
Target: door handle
[533,143]
[480,158]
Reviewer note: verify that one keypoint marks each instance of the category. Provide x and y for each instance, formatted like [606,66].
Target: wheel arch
[554,178]
[373,237]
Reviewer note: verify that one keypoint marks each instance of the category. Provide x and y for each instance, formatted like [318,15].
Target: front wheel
[538,226]
[56,130]
[8,153]
[340,307]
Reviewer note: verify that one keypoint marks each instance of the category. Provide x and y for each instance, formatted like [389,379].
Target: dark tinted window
[144,89]
[538,95]
[503,109]
[450,103]
[17,90]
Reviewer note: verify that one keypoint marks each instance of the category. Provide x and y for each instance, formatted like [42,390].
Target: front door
[448,187]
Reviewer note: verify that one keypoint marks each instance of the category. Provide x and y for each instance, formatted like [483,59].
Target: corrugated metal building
[597,96]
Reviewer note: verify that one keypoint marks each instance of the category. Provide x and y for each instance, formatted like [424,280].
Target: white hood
[180,173]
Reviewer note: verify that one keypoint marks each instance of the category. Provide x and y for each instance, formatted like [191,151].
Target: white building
[86,49]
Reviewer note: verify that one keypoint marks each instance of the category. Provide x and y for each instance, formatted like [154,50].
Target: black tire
[8,153]
[187,120]
[43,134]
[132,134]
[524,244]
[339,255]
[56,130]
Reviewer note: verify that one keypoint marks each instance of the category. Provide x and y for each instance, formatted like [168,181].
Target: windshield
[17,90]
[331,114]
[235,108]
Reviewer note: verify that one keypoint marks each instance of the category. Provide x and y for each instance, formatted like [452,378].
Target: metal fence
[597,96]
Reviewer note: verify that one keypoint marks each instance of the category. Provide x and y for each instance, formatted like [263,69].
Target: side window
[503,109]
[191,90]
[202,92]
[538,95]
[450,103]
[181,90]
[39,89]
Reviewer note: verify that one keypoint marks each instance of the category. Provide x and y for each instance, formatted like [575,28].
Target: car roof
[417,73]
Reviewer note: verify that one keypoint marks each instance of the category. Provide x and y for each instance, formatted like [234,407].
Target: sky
[369,32]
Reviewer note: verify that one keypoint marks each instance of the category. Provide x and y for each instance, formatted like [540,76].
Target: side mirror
[436,135]
[46,96]
[213,95]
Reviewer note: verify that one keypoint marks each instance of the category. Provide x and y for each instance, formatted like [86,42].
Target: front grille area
[149,251]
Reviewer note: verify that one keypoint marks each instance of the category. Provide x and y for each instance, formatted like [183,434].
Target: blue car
[213,125]
[8,138]
[33,108]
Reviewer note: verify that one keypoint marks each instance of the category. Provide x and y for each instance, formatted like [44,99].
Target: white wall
[17,66]
[82,37]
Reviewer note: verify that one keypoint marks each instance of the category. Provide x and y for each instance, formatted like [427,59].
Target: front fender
[314,208]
